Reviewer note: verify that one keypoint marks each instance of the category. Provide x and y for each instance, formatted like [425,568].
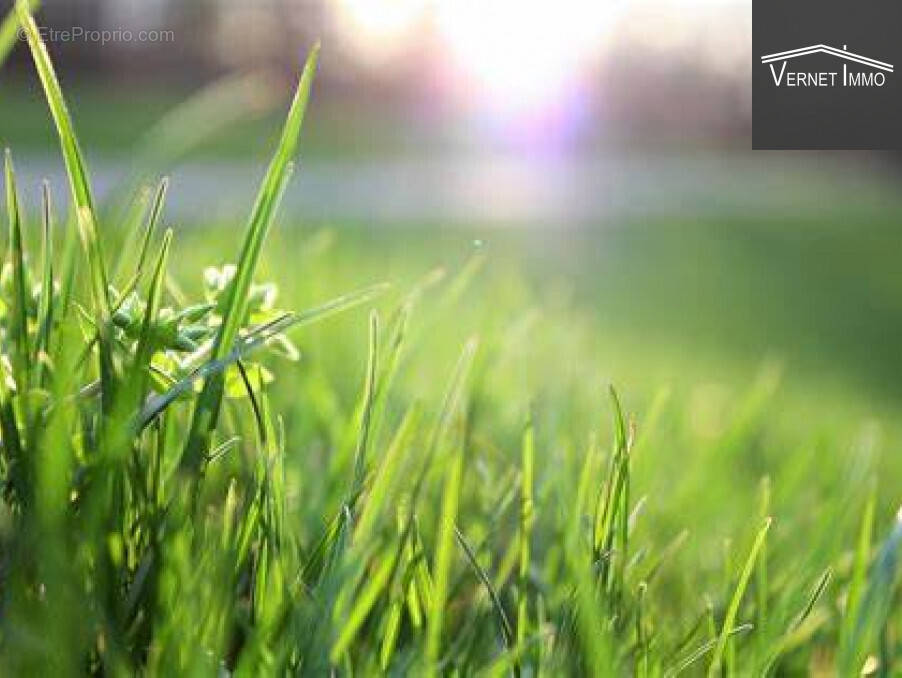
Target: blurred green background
[611,173]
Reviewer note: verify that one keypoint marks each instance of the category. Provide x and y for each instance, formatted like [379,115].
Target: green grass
[446,485]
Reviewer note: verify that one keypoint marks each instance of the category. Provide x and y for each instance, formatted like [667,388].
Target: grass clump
[160,516]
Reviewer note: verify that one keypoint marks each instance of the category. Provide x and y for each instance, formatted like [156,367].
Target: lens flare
[379,29]
[508,55]
[520,56]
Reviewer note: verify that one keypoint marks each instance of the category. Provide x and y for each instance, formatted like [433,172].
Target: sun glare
[508,55]
[517,55]
[379,28]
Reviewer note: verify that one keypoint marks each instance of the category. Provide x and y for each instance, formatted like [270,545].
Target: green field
[654,448]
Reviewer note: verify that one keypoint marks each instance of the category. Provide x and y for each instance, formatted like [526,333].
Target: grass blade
[153,218]
[18,329]
[374,587]
[816,594]
[507,632]
[207,408]
[444,551]
[385,481]
[705,648]
[366,413]
[859,574]
[144,350]
[611,525]
[761,571]
[72,155]
[450,404]
[875,608]
[527,508]
[82,197]
[156,405]
[9,30]
[45,305]
[87,230]
[733,608]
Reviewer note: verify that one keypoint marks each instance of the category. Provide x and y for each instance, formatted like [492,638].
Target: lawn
[663,447]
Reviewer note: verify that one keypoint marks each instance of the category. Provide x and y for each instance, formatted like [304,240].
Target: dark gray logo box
[833,115]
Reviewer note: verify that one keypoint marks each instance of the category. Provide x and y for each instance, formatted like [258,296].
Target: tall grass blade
[18,330]
[153,218]
[206,411]
[366,413]
[374,587]
[145,348]
[444,551]
[450,404]
[733,608]
[390,365]
[87,230]
[527,518]
[761,583]
[45,305]
[386,478]
[72,155]
[82,197]
[611,526]
[585,625]
[9,30]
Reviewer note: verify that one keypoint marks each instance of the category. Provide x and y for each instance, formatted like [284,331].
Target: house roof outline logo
[827,49]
